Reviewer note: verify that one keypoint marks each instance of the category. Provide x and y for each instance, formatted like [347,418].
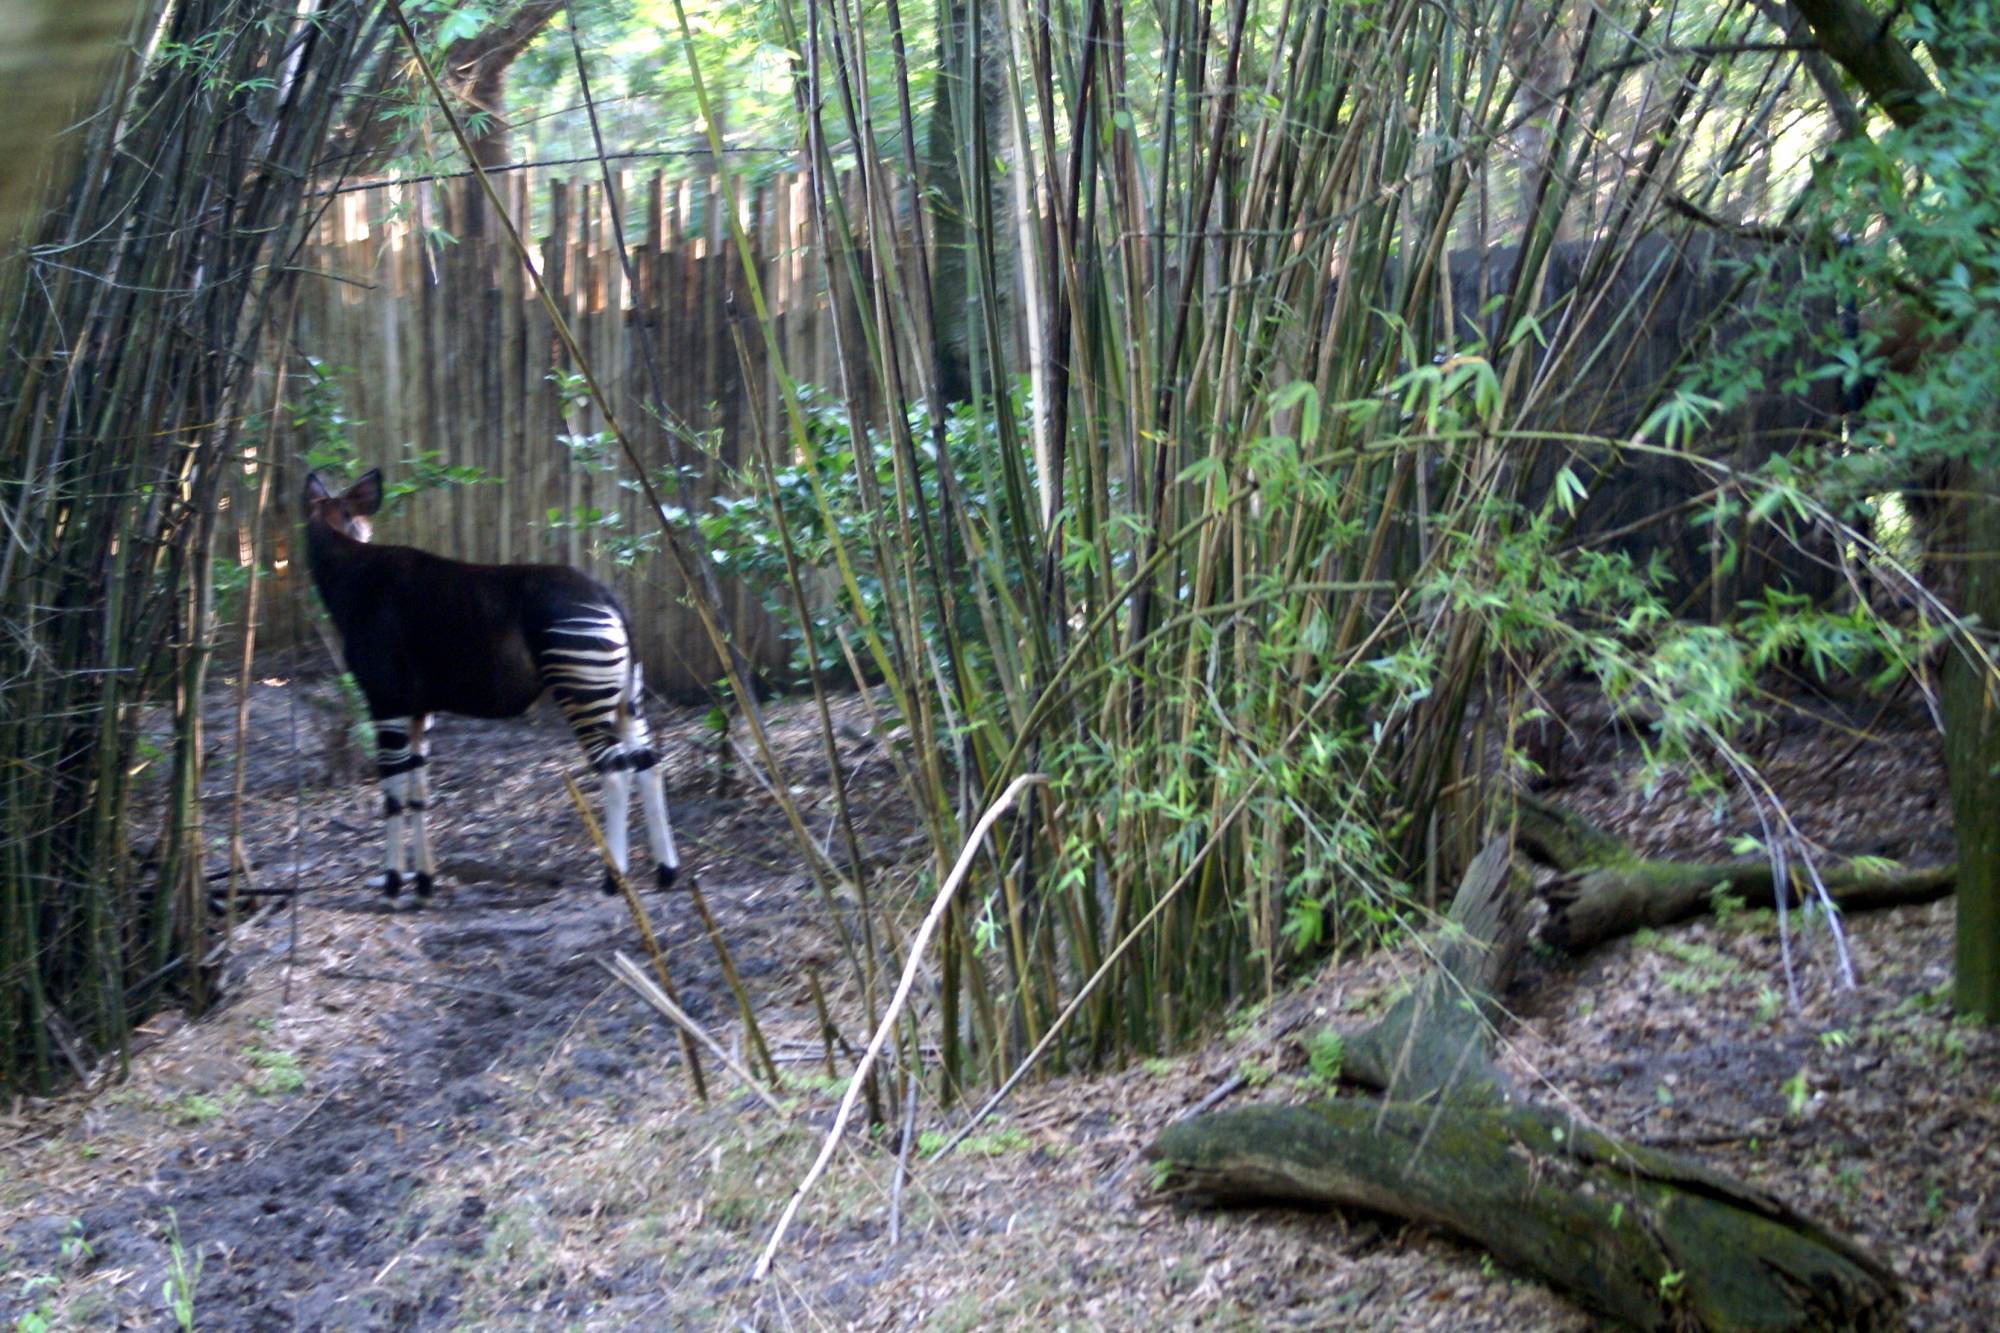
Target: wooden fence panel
[446,348]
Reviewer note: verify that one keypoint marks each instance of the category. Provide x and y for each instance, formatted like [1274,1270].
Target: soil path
[308,1138]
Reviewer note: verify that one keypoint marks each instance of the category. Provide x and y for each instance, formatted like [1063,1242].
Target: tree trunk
[60,52]
[1860,39]
[1435,1039]
[477,68]
[952,317]
[1972,755]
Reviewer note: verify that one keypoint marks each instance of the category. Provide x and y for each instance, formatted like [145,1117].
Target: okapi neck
[333,557]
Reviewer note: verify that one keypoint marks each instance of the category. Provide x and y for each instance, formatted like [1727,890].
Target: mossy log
[1643,1236]
[1629,1232]
[1436,1039]
[1607,890]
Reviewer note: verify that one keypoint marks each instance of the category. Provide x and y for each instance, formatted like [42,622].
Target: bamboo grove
[133,313]
[1279,530]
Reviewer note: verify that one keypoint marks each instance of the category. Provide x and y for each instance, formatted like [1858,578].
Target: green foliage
[43,1288]
[276,1071]
[1906,225]
[425,470]
[1254,1073]
[826,500]
[607,534]
[360,723]
[1247,580]
[1797,1093]
[319,417]
[195,1108]
[1724,904]
[1000,1143]
[182,1278]
[75,1247]
[1326,1051]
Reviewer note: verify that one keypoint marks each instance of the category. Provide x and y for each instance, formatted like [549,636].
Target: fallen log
[1435,1040]
[1606,890]
[1631,1232]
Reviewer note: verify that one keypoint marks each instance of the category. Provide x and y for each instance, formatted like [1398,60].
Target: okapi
[423,634]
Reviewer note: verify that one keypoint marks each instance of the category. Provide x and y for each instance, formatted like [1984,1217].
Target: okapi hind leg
[659,830]
[615,773]
[585,658]
[652,785]
[637,739]
[394,762]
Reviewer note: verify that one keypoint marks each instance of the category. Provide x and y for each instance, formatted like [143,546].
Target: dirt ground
[455,1118]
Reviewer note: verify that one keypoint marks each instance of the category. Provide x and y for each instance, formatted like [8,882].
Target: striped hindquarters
[585,661]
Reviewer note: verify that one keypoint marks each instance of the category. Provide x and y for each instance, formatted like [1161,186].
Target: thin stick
[644,924]
[238,868]
[622,967]
[729,974]
[556,1049]
[827,1031]
[889,1015]
[1228,1088]
[293,1128]
[1103,970]
[392,979]
[903,1157]
[298,792]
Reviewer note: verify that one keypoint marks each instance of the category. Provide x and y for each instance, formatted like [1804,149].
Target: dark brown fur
[424,634]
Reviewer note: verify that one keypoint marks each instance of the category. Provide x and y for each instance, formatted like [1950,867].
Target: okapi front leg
[394,762]
[415,804]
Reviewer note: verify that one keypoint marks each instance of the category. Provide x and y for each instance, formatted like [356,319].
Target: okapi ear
[316,490]
[364,497]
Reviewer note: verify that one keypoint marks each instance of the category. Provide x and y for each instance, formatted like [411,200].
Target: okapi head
[347,513]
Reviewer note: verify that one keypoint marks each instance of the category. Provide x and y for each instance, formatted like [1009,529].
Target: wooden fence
[431,335]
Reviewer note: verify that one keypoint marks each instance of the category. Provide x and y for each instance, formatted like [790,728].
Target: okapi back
[426,634]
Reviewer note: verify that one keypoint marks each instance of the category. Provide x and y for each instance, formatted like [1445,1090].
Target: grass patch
[273,1072]
[1705,967]
[999,1143]
[194,1108]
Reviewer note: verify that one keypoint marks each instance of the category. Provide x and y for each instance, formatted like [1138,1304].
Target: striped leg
[587,665]
[652,789]
[415,804]
[394,762]
[617,779]
[659,831]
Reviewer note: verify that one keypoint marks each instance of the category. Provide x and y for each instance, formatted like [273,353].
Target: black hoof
[610,885]
[423,886]
[667,875]
[392,882]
